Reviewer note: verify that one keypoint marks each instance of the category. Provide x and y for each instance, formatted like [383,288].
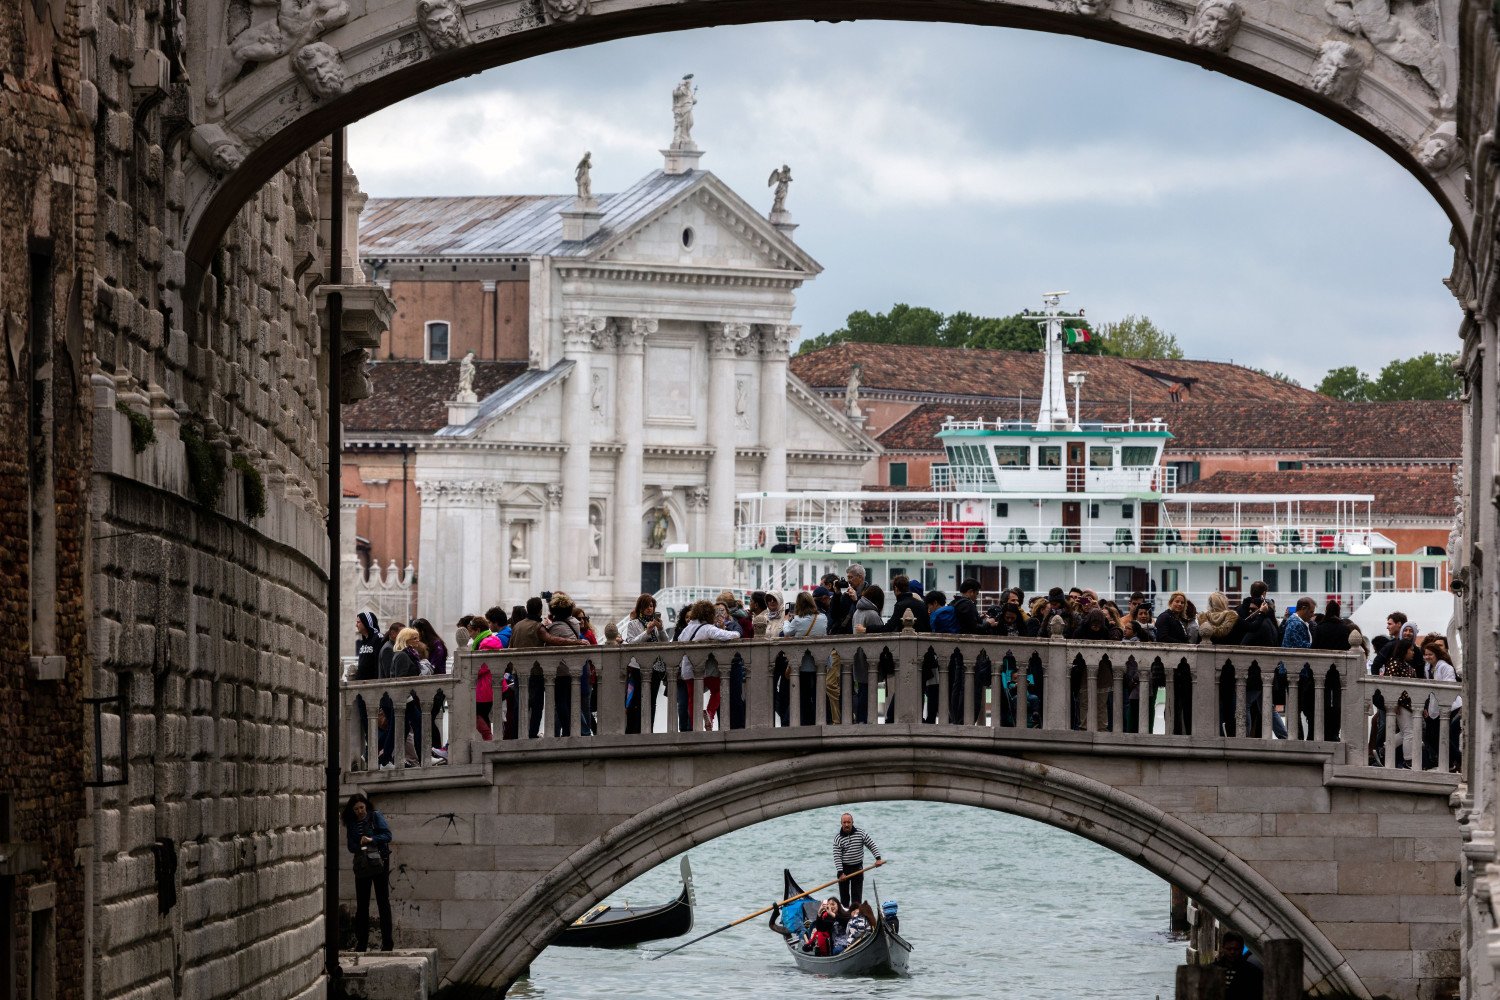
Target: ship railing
[1264,702]
[1077,479]
[951,424]
[974,536]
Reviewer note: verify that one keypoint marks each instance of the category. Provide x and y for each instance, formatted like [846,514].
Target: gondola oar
[767,909]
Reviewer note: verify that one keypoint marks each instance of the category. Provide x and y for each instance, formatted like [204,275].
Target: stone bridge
[1279,838]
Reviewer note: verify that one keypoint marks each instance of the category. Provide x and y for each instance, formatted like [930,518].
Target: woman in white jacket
[704,624]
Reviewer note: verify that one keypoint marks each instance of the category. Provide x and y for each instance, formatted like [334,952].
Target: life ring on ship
[760,539]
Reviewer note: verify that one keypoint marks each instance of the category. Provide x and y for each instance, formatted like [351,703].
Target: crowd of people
[853,605]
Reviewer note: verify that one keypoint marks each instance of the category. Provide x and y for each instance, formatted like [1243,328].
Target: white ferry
[1055,502]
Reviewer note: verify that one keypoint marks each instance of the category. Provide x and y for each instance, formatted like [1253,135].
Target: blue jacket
[1296,635]
[374,827]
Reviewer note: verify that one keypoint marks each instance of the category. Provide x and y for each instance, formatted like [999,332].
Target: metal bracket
[118,700]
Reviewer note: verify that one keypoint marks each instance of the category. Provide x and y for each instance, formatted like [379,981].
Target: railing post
[1090,699]
[423,738]
[820,689]
[945,688]
[1319,711]
[1293,700]
[908,654]
[1205,666]
[671,680]
[1055,690]
[461,709]
[1169,682]
[997,691]
[613,664]
[549,700]
[760,684]
[1117,716]
[1388,735]
[968,709]
[1023,694]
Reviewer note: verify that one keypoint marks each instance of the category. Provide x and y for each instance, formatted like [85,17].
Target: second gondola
[623,926]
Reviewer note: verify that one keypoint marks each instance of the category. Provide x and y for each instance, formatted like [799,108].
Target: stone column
[774,343]
[630,372]
[724,341]
[579,333]
[697,504]
[547,560]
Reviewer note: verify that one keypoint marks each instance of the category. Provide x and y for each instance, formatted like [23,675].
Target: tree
[1346,383]
[1137,337]
[919,325]
[1426,376]
[1007,333]
[1278,376]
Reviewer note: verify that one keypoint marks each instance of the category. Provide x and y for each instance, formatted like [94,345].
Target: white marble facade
[658,389]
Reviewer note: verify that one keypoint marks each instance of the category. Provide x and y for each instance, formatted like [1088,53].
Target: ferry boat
[1059,503]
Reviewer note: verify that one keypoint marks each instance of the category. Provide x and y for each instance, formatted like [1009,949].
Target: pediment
[709,226]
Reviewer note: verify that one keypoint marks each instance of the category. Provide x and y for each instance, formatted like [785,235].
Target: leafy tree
[1345,383]
[1007,333]
[1278,376]
[1426,376]
[1138,337]
[919,325]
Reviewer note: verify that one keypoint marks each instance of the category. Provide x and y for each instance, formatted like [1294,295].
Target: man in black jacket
[966,610]
[1249,604]
[367,646]
[905,599]
[841,607]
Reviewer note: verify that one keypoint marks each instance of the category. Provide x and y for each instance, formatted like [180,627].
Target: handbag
[368,862]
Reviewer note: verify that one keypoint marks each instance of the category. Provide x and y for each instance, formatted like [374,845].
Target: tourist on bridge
[1246,608]
[1439,667]
[1243,979]
[706,623]
[369,840]
[849,846]
[867,619]
[808,621]
[367,646]
[644,626]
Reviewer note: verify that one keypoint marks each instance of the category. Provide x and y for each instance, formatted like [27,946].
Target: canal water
[994,906]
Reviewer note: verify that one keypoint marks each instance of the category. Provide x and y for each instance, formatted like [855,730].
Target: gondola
[881,952]
[608,926]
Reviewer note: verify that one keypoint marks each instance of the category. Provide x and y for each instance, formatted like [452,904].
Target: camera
[547,597]
[841,584]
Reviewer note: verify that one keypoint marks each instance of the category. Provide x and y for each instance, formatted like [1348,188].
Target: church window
[687,237]
[437,341]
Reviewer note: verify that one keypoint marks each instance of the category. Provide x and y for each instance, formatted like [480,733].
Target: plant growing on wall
[142,431]
[205,469]
[253,486]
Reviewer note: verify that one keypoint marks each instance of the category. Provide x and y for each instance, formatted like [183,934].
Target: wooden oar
[767,909]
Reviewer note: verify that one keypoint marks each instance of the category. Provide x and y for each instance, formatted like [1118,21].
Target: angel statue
[781,180]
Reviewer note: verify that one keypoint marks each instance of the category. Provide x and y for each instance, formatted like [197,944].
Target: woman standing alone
[369,840]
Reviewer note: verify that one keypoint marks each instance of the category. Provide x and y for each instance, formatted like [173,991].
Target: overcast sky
[975,168]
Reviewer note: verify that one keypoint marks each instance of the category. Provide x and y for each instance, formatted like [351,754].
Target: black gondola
[623,926]
[882,951]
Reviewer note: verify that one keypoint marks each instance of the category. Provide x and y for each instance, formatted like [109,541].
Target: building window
[42,480]
[1429,578]
[1288,466]
[897,473]
[1187,472]
[437,341]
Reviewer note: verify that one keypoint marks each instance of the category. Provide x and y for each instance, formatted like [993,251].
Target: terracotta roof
[1412,492]
[1320,428]
[1004,374]
[413,396]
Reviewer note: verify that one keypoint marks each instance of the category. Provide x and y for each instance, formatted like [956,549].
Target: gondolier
[849,856]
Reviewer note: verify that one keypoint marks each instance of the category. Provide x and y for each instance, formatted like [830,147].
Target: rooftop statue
[782,179]
[585,182]
[684,96]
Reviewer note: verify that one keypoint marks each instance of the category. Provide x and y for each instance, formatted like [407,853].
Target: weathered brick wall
[205,616]
[46,222]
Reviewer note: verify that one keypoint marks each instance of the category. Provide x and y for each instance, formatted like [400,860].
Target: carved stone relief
[354,377]
[1336,73]
[742,403]
[1215,23]
[298,24]
[222,152]
[565,10]
[322,69]
[1440,149]
[1091,8]
[1399,37]
[443,23]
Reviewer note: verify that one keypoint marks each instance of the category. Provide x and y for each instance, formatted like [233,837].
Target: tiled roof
[1410,492]
[505,225]
[413,396]
[1319,428]
[1005,374]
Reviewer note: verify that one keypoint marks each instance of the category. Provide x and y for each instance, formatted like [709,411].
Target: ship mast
[1052,415]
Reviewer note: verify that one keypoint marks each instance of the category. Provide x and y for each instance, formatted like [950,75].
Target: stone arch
[385,53]
[1158,841]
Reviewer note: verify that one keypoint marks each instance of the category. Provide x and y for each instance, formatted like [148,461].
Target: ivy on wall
[142,430]
[253,486]
[204,468]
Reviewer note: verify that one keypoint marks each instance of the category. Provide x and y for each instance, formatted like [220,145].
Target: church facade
[574,387]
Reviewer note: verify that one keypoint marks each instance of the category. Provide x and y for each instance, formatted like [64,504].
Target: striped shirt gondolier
[849,850]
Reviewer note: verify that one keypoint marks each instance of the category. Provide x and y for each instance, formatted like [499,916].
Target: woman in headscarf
[1217,623]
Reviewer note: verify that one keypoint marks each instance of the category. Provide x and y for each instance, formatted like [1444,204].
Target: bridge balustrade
[1014,689]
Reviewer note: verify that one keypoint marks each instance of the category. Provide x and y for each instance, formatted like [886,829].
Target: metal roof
[506,225]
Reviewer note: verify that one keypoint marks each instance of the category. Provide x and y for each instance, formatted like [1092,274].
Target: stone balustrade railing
[560,696]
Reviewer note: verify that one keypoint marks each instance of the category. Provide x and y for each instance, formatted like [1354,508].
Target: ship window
[1135,456]
[898,473]
[1299,581]
[1009,456]
[1272,579]
[1331,581]
[1101,458]
[1169,580]
[1127,511]
[1002,509]
[1093,512]
[1049,456]
[1028,580]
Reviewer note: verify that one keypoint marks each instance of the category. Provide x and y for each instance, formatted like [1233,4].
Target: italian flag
[1077,335]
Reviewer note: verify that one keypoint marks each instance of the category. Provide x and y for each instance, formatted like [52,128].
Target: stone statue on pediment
[466,380]
[851,392]
[582,174]
[782,181]
[684,96]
